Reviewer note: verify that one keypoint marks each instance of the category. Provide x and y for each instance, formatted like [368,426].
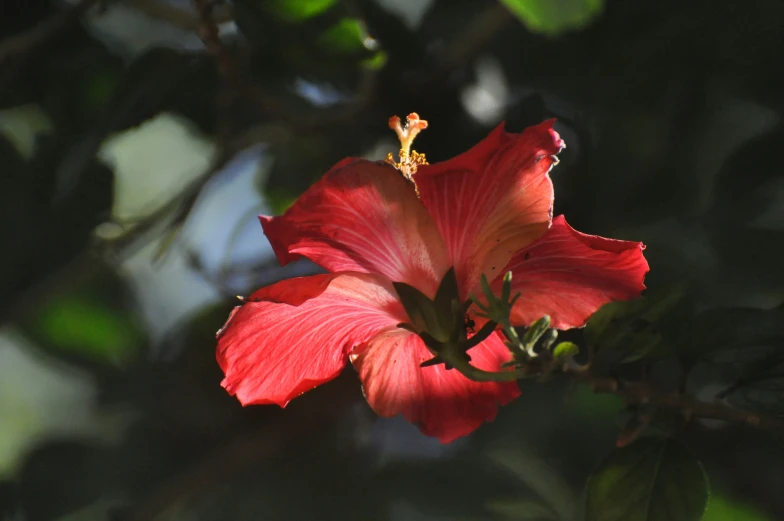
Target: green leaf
[556,499]
[92,324]
[375,62]
[297,10]
[744,229]
[734,335]
[746,344]
[345,37]
[21,126]
[593,407]
[620,336]
[650,480]
[721,508]
[553,17]
[624,332]
[760,394]
[81,324]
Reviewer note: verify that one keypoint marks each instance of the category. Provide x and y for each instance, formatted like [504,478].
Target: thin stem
[480,375]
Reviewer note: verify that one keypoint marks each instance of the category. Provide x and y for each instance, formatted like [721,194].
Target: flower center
[408,160]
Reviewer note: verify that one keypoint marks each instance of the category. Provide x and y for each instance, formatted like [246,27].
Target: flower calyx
[438,319]
[498,309]
[538,339]
[408,160]
[440,322]
[442,326]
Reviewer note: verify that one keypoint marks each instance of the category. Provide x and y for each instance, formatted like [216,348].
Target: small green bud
[565,350]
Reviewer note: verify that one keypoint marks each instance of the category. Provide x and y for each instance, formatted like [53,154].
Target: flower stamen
[408,160]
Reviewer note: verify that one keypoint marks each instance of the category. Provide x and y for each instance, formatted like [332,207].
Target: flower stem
[480,375]
[456,359]
[634,393]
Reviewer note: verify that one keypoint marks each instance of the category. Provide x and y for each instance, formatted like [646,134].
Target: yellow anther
[408,160]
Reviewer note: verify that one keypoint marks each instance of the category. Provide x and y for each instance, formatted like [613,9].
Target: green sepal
[496,309]
[420,309]
[408,327]
[436,360]
[535,331]
[549,338]
[447,292]
[438,318]
[506,288]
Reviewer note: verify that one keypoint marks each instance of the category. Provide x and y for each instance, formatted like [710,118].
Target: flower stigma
[408,160]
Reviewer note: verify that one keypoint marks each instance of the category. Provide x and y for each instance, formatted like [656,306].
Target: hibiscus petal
[363,216]
[569,275]
[443,403]
[294,335]
[492,200]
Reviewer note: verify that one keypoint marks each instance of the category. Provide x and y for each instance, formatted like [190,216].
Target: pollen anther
[408,160]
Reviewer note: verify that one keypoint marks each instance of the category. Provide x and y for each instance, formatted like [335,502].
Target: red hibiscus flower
[371,225]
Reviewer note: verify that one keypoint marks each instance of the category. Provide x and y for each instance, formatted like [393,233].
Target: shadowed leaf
[553,17]
[650,480]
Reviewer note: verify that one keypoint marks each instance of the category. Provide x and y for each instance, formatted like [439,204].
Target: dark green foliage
[672,112]
[553,18]
[92,324]
[77,468]
[651,480]
[626,332]
[41,228]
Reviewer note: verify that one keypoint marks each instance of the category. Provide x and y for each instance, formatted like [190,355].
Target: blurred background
[134,160]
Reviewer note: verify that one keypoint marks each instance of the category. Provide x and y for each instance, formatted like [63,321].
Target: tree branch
[234,83]
[180,18]
[210,34]
[643,393]
[633,393]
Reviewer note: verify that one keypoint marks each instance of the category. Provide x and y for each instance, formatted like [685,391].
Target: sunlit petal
[363,216]
[492,200]
[569,275]
[296,334]
[442,403]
